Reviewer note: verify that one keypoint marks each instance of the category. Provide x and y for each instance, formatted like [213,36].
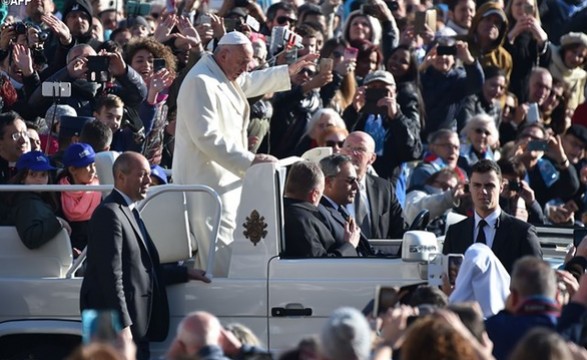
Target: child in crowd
[78,206]
[32,212]
[158,176]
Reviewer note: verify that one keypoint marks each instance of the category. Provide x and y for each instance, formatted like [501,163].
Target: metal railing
[153,192]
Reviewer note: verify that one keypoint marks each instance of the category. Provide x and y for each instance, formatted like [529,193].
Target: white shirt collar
[491,219]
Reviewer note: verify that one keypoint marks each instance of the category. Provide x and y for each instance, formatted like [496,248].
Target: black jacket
[306,233]
[513,239]
[123,272]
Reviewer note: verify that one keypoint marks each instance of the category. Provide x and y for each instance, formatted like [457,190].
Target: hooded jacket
[85,6]
[496,55]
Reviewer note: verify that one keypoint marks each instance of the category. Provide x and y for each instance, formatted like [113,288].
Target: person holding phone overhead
[526,42]
[378,113]
[445,84]
[550,173]
[508,237]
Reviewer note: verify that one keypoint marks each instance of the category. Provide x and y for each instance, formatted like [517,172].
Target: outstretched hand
[302,62]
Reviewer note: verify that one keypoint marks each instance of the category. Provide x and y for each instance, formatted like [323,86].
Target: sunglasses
[332,143]
[284,19]
[482,131]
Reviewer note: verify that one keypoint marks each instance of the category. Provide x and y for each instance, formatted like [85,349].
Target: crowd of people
[452,107]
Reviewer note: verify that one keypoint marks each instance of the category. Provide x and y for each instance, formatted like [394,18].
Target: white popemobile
[281,300]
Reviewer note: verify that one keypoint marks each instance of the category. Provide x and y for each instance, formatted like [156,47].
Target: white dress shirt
[489,229]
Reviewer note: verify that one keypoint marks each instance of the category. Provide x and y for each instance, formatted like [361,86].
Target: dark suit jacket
[336,222]
[387,220]
[123,272]
[513,239]
[306,234]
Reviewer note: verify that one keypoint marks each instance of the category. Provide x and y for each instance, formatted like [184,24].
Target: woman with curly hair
[339,93]
[141,54]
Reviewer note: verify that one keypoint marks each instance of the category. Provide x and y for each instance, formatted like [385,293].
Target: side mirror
[419,246]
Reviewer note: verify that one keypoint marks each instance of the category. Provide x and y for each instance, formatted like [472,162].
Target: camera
[514,185]
[19,28]
[446,50]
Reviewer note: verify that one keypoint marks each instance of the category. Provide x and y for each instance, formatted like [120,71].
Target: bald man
[123,272]
[211,137]
[376,208]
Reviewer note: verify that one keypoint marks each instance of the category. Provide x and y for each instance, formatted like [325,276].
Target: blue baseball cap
[79,155]
[158,172]
[34,160]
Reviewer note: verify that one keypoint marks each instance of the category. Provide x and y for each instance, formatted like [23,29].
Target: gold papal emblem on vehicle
[255,226]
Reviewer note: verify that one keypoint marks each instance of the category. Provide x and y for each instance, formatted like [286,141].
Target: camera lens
[20,28]
[43,36]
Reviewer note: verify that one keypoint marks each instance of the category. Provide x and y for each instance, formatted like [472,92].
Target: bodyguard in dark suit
[376,209]
[123,271]
[508,237]
[306,231]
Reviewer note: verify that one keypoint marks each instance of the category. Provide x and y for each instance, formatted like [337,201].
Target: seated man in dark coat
[306,233]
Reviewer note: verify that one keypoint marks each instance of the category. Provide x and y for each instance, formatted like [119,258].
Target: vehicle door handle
[283,312]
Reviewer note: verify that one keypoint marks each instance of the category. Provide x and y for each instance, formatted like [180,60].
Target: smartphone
[533,115]
[528,9]
[446,50]
[368,9]
[386,297]
[326,65]
[425,19]
[435,270]
[170,6]
[514,185]
[158,64]
[56,89]
[351,53]
[252,23]
[452,265]
[98,68]
[100,325]
[538,145]
[578,235]
[137,8]
[372,96]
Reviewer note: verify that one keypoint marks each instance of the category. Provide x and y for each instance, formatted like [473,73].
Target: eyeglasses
[332,143]
[482,131]
[356,149]
[18,135]
[283,19]
[307,72]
